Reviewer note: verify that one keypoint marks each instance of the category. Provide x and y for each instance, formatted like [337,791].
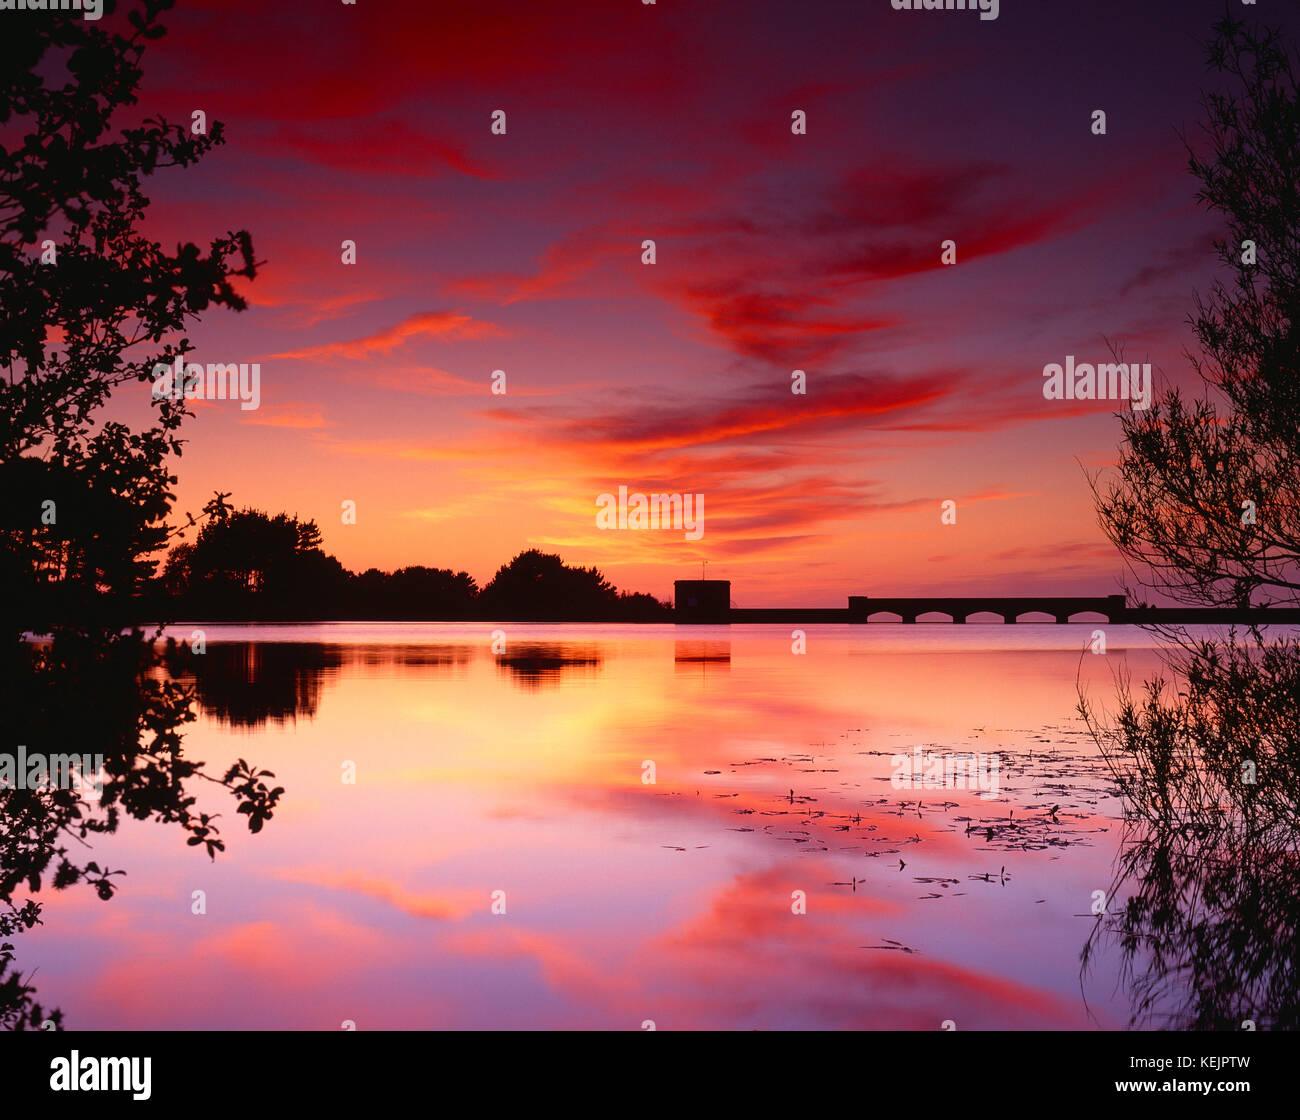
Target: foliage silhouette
[1209,932]
[249,565]
[539,586]
[85,499]
[245,560]
[1208,754]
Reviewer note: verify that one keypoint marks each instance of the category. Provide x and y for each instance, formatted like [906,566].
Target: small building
[702,600]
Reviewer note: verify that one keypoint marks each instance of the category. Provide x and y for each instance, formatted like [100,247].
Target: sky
[774,252]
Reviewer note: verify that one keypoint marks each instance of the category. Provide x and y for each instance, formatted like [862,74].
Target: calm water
[522,772]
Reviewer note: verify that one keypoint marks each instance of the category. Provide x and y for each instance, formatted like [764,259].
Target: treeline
[248,565]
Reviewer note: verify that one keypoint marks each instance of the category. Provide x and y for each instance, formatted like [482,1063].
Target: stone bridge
[863,608]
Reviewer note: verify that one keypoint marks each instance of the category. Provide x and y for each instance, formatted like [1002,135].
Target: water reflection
[689,652]
[1206,908]
[1209,933]
[247,684]
[250,684]
[532,665]
[525,772]
[97,715]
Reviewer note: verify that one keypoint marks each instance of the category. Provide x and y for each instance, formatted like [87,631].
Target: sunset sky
[775,252]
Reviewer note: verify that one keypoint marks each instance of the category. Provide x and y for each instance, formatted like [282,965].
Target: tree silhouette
[1210,929]
[414,592]
[1206,509]
[249,564]
[91,304]
[1178,509]
[540,586]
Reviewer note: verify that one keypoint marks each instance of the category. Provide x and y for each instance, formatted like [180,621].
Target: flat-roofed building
[702,600]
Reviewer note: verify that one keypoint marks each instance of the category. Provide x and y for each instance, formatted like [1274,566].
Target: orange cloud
[427,324]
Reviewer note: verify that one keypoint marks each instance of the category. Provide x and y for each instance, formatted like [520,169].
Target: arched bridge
[709,601]
[862,608]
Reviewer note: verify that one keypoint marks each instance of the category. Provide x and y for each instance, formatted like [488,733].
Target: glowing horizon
[775,252]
